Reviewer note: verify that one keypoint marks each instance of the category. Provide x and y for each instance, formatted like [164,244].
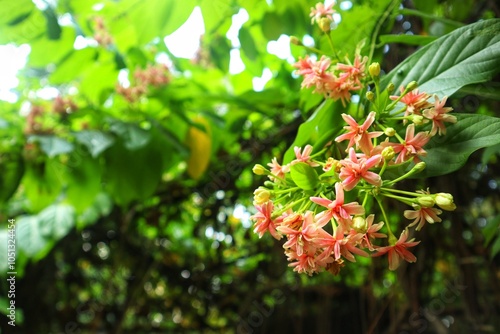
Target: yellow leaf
[200,145]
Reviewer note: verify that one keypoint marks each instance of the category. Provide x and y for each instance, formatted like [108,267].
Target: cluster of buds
[101,34]
[152,76]
[34,120]
[324,202]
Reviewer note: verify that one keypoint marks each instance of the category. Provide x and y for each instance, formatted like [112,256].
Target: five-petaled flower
[412,147]
[439,114]
[358,134]
[263,220]
[321,11]
[337,209]
[398,251]
[421,215]
[355,169]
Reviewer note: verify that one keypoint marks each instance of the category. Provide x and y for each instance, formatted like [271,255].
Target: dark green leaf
[407,39]
[320,128]
[448,153]
[304,176]
[52,145]
[247,43]
[467,55]
[56,221]
[53,27]
[95,141]
[134,137]
[28,236]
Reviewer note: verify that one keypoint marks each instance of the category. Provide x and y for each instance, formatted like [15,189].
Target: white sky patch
[237,21]
[185,41]
[236,65]
[240,212]
[259,83]
[281,48]
[12,59]
[345,5]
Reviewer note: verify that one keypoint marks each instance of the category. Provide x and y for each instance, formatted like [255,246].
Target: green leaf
[491,229]
[321,127]
[52,145]
[84,181]
[53,27]
[4,237]
[407,39]
[134,137]
[28,236]
[468,55]
[495,249]
[304,176]
[448,153]
[56,221]
[95,141]
[247,43]
[215,12]
[11,173]
[272,26]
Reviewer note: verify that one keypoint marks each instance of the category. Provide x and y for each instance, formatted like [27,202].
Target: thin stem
[385,217]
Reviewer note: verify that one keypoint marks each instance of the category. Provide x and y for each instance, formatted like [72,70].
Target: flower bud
[374,69]
[359,224]
[445,201]
[269,184]
[259,170]
[419,166]
[390,87]
[370,96]
[418,119]
[426,201]
[411,86]
[324,24]
[389,132]
[261,196]
[388,153]
[294,40]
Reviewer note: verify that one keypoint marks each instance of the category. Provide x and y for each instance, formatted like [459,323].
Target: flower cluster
[101,33]
[153,75]
[324,202]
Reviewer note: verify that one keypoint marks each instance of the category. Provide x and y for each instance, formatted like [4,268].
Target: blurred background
[128,131]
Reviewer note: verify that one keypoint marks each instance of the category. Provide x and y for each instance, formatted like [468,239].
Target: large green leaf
[28,236]
[304,176]
[468,55]
[448,153]
[52,145]
[56,221]
[320,128]
[95,141]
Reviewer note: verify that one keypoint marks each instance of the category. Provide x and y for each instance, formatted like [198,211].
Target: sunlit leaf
[304,176]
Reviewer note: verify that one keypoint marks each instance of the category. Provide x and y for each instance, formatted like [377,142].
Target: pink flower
[321,11]
[315,73]
[358,134]
[277,169]
[439,114]
[303,237]
[355,169]
[263,220]
[398,251]
[340,245]
[412,146]
[337,209]
[354,72]
[371,232]
[414,101]
[304,156]
[422,215]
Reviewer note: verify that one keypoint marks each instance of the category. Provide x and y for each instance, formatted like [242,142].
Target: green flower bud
[388,153]
[359,224]
[426,201]
[419,166]
[445,201]
[389,132]
[261,196]
[418,119]
[294,40]
[370,96]
[390,87]
[374,69]
[269,184]
[324,24]
[259,170]
[411,86]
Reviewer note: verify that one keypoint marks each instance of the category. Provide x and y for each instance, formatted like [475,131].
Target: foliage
[128,170]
